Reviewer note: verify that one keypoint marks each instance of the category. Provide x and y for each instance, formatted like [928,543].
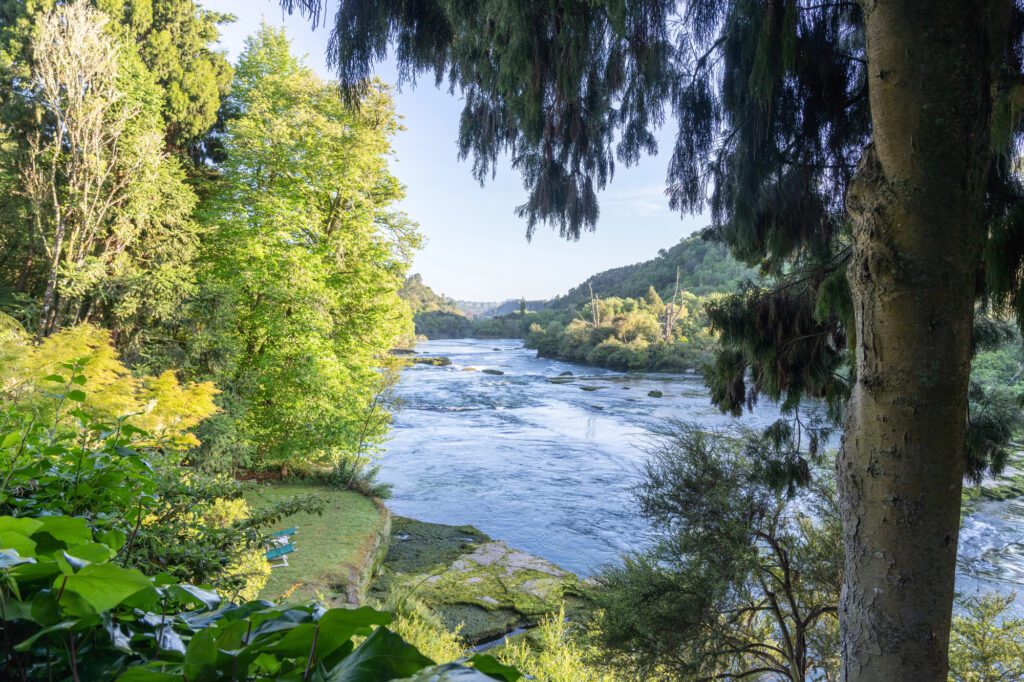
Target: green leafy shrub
[69,612]
[741,572]
[60,457]
[627,334]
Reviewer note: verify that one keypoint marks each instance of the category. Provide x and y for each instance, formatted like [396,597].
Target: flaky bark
[917,205]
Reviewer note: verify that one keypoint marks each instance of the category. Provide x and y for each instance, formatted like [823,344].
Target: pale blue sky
[476,247]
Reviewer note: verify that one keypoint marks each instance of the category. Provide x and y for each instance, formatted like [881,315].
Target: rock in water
[439,361]
[495,372]
[655,394]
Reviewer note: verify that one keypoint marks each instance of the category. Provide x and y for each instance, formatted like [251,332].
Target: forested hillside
[422,299]
[435,315]
[478,308]
[704,268]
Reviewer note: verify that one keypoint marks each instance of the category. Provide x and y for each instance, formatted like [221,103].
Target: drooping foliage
[551,86]
[772,109]
[301,266]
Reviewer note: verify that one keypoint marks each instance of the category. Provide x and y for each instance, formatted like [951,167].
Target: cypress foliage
[770,100]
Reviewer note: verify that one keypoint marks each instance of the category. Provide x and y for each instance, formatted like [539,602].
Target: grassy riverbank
[334,552]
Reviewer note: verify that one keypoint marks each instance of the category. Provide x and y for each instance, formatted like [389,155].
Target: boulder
[495,372]
[655,394]
[438,361]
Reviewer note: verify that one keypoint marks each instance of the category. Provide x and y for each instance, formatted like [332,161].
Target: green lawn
[330,550]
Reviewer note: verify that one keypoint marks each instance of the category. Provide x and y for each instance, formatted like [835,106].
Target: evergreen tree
[175,40]
[862,154]
[109,230]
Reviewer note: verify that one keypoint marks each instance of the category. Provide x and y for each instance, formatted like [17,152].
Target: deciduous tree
[302,265]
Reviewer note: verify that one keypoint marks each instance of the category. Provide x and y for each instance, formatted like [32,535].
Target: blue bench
[280,546]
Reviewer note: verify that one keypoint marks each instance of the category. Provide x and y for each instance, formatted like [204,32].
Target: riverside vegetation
[157,340]
[647,316]
[201,274]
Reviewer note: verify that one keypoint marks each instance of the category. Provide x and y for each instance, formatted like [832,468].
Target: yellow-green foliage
[555,653]
[250,566]
[248,569]
[630,334]
[425,631]
[223,512]
[254,570]
[159,405]
[986,645]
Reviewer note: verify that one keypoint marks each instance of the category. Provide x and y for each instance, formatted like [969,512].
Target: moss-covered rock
[439,361]
[655,394]
[467,578]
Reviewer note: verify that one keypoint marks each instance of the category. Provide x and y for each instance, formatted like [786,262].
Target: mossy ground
[330,550]
[470,580]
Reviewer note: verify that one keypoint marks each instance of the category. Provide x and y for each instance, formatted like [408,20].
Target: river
[549,467]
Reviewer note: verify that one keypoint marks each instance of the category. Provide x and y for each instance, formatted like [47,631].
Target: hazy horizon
[476,248]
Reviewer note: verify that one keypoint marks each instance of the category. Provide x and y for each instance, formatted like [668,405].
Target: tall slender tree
[862,153]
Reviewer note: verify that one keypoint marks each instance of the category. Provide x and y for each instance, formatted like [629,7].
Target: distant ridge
[704,268]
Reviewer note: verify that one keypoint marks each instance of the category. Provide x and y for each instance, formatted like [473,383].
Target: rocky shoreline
[471,581]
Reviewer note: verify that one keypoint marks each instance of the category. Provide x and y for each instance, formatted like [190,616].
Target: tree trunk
[918,209]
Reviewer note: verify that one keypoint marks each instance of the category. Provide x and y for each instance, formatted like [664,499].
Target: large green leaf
[201,657]
[59,627]
[39,569]
[76,558]
[296,642]
[488,664]
[140,674]
[338,626]
[104,586]
[25,526]
[22,544]
[193,594]
[71,530]
[382,656]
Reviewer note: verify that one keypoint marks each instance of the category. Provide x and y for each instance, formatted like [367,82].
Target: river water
[549,467]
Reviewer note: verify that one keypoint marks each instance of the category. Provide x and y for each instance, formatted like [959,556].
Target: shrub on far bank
[628,335]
